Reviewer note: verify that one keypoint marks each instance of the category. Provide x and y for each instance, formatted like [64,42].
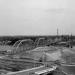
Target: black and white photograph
[37,37]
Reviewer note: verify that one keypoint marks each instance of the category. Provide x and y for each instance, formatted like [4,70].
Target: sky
[37,17]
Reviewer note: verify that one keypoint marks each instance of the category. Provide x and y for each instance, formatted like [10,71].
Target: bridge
[34,71]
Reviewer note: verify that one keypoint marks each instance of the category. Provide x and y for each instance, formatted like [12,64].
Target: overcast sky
[37,17]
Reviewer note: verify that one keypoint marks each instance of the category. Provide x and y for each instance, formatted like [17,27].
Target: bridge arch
[22,45]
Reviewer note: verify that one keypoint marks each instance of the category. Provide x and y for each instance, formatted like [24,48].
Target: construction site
[44,56]
[37,37]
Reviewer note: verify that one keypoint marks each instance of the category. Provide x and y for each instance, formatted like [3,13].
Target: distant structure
[57,36]
[57,32]
[71,43]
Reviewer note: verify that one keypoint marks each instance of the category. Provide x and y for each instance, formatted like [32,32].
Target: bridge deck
[34,71]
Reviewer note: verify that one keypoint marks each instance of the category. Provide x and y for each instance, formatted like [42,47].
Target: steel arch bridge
[22,45]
